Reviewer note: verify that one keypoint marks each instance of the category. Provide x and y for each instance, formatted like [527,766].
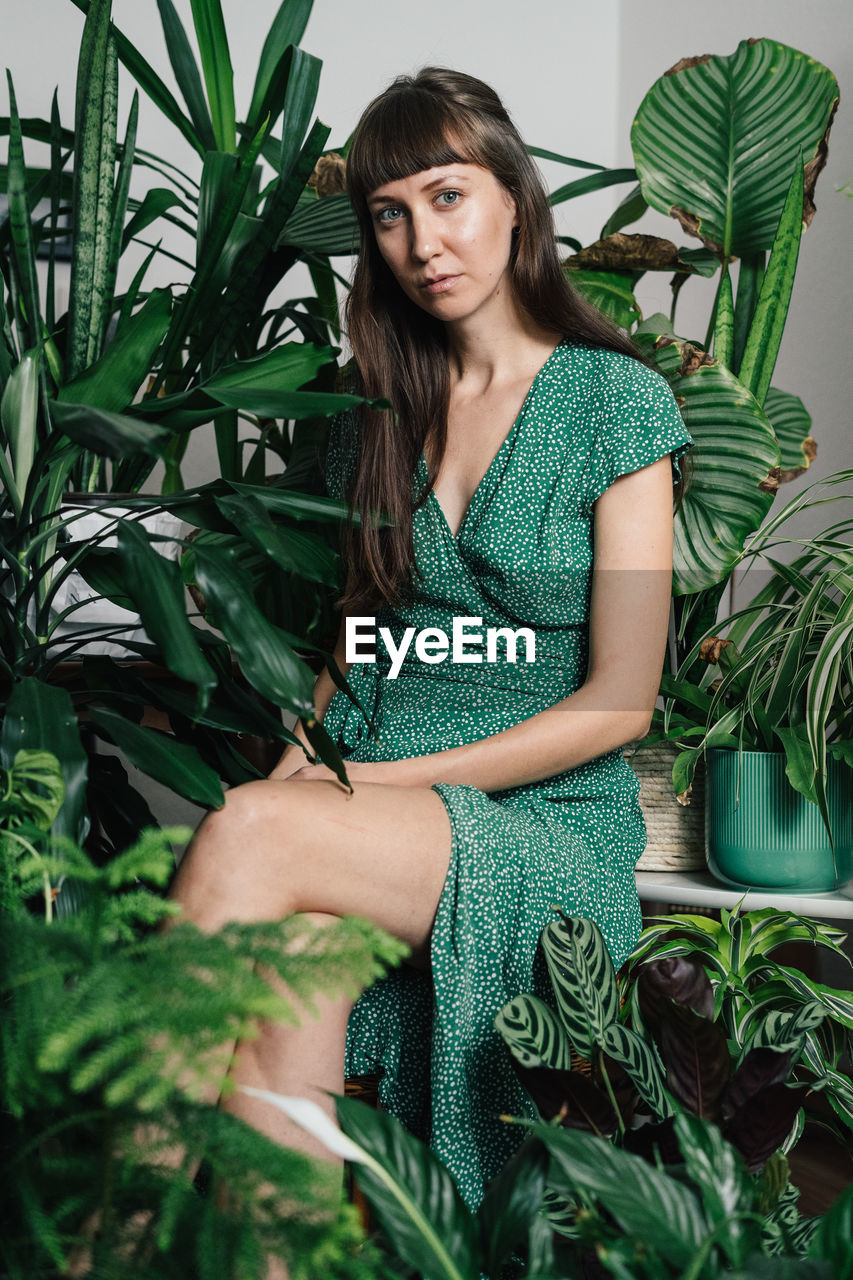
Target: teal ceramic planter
[772,837]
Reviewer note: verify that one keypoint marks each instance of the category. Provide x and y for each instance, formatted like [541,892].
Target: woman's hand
[364,771]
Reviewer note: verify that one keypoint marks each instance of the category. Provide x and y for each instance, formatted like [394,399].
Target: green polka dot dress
[522,557]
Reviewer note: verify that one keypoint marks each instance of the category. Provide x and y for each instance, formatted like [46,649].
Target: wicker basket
[676,832]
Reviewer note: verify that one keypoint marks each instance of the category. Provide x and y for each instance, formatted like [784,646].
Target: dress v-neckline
[505,444]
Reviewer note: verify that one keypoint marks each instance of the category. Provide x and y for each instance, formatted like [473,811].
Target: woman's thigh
[280,847]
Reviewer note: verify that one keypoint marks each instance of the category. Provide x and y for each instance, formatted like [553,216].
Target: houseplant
[698,1190]
[741,180]
[777,684]
[79,409]
[108,1025]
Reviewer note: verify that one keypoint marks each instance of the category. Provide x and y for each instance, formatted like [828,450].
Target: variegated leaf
[584,980]
[641,1064]
[534,1034]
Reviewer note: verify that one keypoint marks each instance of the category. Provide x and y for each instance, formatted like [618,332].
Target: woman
[530,446]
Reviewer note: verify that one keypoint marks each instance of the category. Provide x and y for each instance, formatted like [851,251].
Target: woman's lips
[440,285]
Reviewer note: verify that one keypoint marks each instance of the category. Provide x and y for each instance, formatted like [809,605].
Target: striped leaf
[735,457]
[792,425]
[327,226]
[610,292]
[534,1034]
[714,140]
[584,981]
[645,1201]
[768,323]
[725,321]
[94,176]
[23,256]
[641,1064]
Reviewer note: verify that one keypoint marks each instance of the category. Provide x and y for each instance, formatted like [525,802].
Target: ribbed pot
[771,836]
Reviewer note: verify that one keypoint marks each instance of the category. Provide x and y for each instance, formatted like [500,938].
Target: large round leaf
[735,466]
[715,140]
[610,292]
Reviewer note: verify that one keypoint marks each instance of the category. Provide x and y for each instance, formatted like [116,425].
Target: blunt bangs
[408,130]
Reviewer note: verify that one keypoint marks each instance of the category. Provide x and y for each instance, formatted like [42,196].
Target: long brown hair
[437,117]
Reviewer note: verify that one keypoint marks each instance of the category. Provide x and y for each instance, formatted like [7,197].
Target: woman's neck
[484,349]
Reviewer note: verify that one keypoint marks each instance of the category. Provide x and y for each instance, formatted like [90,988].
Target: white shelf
[700,889]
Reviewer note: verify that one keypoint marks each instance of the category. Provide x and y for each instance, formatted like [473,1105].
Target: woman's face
[446,234]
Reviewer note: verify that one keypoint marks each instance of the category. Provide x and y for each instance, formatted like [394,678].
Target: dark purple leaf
[585,1106]
[695,1053]
[679,978]
[760,1126]
[760,1068]
[655,1141]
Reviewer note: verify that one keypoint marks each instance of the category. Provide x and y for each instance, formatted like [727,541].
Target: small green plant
[110,1031]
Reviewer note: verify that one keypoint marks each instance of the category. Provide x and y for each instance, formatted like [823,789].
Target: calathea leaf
[584,980]
[760,1068]
[533,1033]
[641,1064]
[696,1055]
[678,978]
[760,1126]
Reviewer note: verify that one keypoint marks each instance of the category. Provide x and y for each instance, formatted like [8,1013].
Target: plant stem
[611,1095]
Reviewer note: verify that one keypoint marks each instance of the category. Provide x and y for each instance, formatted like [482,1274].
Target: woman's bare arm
[632,578]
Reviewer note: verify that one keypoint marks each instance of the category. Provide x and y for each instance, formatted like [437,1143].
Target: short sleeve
[638,422]
[341,454]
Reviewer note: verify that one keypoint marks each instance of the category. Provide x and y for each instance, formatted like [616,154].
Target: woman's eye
[449,197]
[389,214]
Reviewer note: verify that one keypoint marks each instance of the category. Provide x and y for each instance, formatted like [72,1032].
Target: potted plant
[110,1031]
[771,711]
[665,1158]
[740,201]
[82,410]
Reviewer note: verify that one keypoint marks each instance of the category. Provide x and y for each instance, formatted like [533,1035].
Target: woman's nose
[425,240]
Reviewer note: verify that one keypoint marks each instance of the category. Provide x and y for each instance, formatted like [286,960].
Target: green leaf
[792,424]
[716,1169]
[303,553]
[734,453]
[799,765]
[822,696]
[288,27]
[176,764]
[286,368]
[303,81]
[646,1203]
[148,80]
[412,1194]
[41,717]
[120,203]
[328,226]
[113,435]
[94,175]
[113,381]
[768,323]
[155,202]
[157,590]
[726,176]
[282,404]
[833,1239]
[186,73]
[630,209]
[265,657]
[725,320]
[640,1062]
[19,221]
[534,1034]
[216,66]
[610,292]
[584,981]
[19,418]
[511,1203]
[594,182]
